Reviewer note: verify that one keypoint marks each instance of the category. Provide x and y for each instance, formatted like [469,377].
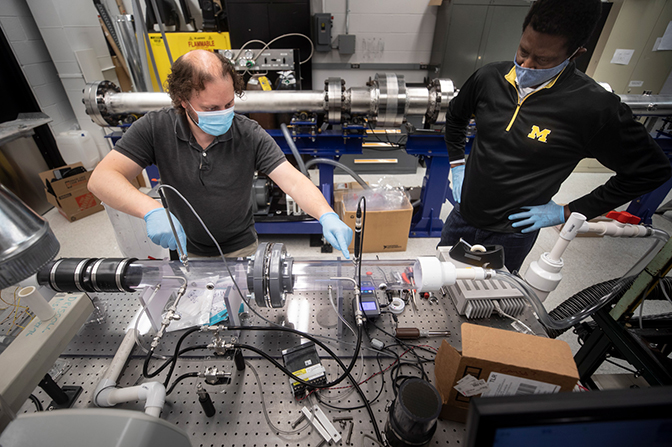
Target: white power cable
[504,314]
[312,47]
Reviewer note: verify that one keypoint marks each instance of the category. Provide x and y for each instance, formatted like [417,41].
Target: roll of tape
[397,306]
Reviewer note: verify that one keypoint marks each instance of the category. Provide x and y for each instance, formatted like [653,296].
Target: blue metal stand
[334,143]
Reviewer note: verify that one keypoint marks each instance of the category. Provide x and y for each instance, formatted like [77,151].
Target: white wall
[68,26]
[19,27]
[387,32]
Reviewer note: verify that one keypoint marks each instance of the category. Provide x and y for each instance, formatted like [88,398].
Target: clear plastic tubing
[307,274]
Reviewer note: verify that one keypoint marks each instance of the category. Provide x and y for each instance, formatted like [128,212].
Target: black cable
[145,368]
[382,387]
[404,345]
[298,379]
[36,401]
[358,256]
[180,379]
[336,358]
[172,359]
[394,145]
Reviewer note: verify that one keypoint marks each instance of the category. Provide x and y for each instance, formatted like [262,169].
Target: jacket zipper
[510,77]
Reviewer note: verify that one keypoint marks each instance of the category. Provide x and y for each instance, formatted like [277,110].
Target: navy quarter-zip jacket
[525,149]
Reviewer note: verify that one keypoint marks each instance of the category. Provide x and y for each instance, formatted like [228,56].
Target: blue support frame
[332,144]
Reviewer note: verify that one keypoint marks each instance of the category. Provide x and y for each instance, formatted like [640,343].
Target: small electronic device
[369,300]
[304,362]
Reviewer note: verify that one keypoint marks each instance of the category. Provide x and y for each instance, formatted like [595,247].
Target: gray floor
[587,260]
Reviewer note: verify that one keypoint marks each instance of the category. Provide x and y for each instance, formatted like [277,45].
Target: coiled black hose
[592,294]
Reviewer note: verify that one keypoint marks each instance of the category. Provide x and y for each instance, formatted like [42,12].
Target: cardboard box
[385,230]
[508,362]
[71,196]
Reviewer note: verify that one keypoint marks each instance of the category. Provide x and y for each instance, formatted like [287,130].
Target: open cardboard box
[508,362]
[385,230]
[70,194]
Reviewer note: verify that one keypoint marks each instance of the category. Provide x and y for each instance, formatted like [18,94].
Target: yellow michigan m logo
[537,134]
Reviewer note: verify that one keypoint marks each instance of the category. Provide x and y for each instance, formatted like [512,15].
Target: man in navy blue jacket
[536,118]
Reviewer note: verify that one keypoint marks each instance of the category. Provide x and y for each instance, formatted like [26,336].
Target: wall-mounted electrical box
[346,43]
[322,32]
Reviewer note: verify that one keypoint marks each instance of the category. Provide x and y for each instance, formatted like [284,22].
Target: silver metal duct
[649,105]
[26,241]
[386,101]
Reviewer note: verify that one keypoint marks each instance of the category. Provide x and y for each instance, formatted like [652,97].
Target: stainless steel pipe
[387,101]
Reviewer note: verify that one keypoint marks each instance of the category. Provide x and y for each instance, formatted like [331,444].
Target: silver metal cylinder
[391,99]
[334,88]
[279,101]
[649,105]
[417,100]
[359,100]
[388,101]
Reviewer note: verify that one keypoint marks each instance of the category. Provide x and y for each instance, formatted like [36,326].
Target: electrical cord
[285,370]
[263,406]
[275,326]
[145,368]
[499,310]
[180,379]
[360,373]
[36,401]
[312,47]
[331,353]
[404,345]
[382,387]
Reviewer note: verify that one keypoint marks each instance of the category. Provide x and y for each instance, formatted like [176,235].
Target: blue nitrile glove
[336,232]
[539,217]
[159,231]
[458,179]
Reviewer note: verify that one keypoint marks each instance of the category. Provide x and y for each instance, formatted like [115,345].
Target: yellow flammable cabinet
[181,43]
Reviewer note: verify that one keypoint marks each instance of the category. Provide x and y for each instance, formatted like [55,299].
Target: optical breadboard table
[241,418]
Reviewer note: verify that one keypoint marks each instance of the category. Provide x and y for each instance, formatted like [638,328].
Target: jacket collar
[567,71]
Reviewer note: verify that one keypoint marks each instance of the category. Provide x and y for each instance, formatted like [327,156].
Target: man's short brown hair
[189,75]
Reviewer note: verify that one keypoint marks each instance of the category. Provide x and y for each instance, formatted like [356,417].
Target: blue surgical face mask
[531,77]
[215,123]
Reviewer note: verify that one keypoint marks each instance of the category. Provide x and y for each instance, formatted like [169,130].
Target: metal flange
[269,275]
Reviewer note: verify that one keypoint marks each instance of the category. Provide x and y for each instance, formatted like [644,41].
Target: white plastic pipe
[432,274]
[108,395]
[36,302]
[153,393]
[615,229]
[117,365]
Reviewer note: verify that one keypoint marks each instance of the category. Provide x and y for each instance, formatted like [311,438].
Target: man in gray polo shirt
[209,155]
